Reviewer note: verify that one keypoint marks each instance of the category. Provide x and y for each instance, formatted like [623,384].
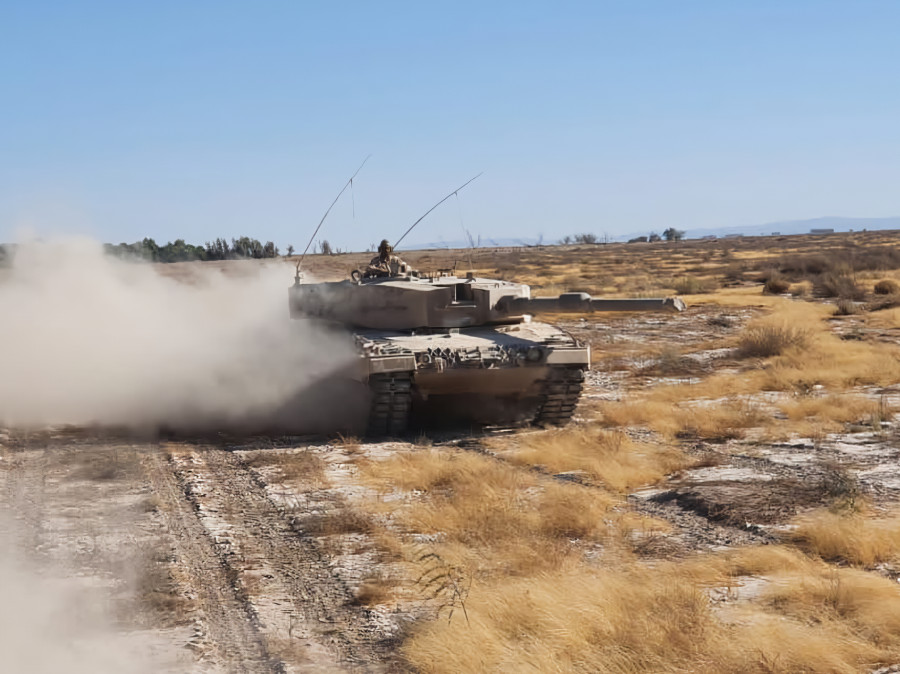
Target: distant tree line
[179,251]
[671,234]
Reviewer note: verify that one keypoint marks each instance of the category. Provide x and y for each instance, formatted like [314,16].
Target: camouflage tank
[436,341]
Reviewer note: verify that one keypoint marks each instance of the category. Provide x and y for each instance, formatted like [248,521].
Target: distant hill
[838,224]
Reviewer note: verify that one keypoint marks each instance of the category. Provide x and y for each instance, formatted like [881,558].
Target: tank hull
[523,372]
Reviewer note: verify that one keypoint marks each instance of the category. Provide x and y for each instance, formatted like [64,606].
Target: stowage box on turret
[443,341]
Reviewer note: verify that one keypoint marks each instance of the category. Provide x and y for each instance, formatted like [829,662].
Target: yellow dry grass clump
[721,421]
[852,539]
[488,514]
[835,364]
[837,408]
[608,457]
[810,617]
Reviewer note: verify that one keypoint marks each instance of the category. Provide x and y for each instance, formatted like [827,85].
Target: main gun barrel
[584,303]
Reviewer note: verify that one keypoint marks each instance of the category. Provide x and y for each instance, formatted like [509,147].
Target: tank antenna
[312,238]
[433,207]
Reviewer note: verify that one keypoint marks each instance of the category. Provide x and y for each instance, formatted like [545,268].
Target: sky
[196,119]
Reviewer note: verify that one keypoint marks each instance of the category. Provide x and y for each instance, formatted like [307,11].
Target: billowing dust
[53,623]
[91,339]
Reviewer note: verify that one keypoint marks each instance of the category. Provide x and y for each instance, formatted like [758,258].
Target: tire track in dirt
[22,496]
[231,632]
[306,611]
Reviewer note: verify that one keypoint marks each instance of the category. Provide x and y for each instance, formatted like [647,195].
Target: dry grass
[837,408]
[882,302]
[670,362]
[722,421]
[838,285]
[775,285]
[887,317]
[852,539]
[771,339]
[849,603]
[635,619]
[607,457]
[492,517]
[835,364]
[691,285]
[847,307]
[886,287]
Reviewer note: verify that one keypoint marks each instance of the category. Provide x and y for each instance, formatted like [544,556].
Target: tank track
[391,403]
[559,396]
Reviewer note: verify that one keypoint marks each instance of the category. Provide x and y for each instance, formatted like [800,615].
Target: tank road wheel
[559,396]
[391,403]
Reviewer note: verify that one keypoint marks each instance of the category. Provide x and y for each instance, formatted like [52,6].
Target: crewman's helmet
[384,247]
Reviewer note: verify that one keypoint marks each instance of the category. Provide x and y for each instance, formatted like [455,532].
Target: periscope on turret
[443,342]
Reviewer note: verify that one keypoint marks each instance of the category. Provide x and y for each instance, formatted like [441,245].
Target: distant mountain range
[838,224]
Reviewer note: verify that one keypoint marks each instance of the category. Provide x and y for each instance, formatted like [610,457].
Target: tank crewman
[386,263]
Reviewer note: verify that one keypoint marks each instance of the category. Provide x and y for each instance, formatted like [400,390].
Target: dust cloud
[87,338]
[61,624]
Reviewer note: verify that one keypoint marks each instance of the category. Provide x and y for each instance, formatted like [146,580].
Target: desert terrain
[724,500]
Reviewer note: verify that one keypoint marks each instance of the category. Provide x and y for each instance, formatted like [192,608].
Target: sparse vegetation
[690,285]
[606,457]
[847,307]
[771,339]
[775,285]
[849,538]
[887,287]
[843,286]
[718,505]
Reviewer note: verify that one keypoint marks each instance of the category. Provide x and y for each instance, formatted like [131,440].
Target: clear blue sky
[196,119]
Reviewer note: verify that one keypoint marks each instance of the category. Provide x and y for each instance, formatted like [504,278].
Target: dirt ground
[280,554]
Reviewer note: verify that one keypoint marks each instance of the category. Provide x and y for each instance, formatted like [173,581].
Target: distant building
[821,231]
[732,236]
[709,237]
[776,233]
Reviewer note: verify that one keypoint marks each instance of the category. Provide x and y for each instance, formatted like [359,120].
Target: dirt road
[188,554]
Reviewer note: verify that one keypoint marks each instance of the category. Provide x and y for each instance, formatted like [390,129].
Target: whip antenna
[312,238]
[433,207]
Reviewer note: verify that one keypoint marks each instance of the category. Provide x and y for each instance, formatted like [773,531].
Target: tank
[464,348]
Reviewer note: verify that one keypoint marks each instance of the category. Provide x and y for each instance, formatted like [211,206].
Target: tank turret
[459,347]
[412,302]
